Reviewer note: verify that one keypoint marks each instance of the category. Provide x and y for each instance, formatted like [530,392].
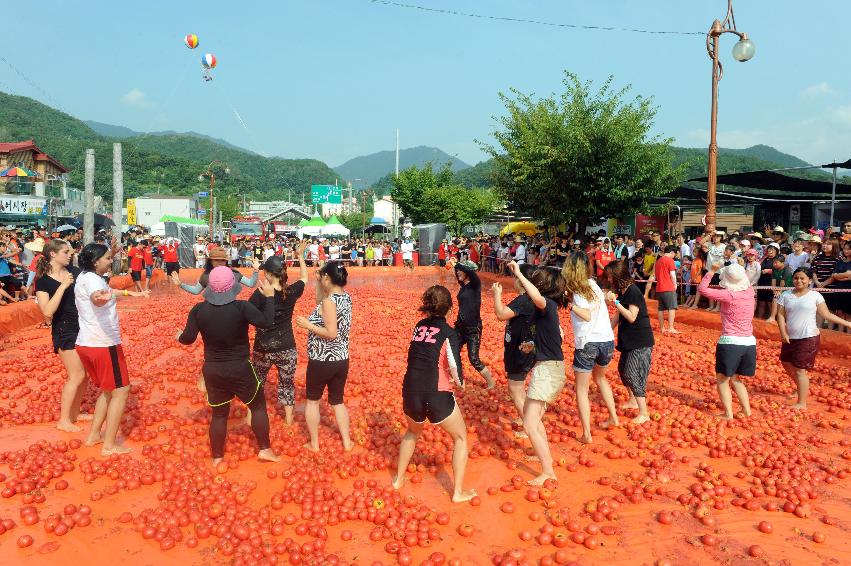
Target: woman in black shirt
[468,325]
[54,287]
[223,323]
[276,345]
[434,370]
[635,336]
[765,296]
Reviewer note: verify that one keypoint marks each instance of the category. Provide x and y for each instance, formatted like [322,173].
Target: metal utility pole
[351,204]
[397,151]
[89,213]
[117,185]
[832,198]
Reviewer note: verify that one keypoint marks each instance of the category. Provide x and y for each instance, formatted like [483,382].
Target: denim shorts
[599,353]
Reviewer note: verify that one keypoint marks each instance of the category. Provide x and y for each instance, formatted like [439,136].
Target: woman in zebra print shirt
[328,351]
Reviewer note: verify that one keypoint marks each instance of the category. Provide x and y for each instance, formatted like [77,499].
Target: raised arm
[190,332]
[534,295]
[302,265]
[502,311]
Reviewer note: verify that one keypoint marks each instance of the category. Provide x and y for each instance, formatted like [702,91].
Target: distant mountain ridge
[370,168]
[112,131]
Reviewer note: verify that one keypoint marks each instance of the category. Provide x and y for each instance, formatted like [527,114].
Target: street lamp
[212,175]
[743,51]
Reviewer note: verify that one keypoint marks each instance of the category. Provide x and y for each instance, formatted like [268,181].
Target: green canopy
[302,222]
[182,220]
[315,221]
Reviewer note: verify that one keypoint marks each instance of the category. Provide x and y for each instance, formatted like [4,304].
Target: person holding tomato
[434,367]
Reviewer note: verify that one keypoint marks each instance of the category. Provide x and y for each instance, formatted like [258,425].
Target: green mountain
[371,168]
[168,163]
[112,131]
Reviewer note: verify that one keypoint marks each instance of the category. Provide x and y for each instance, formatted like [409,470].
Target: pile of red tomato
[683,486]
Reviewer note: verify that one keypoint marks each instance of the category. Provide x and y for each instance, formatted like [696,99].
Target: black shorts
[667,300]
[171,267]
[716,279]
[11,283]
[226,380]
[321,374]
[764,295]
[436,406]
[63,341]
[692,289]
[735,359]
[517,375]
[136,275]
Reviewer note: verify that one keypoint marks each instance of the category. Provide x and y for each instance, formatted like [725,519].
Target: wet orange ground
[712,478]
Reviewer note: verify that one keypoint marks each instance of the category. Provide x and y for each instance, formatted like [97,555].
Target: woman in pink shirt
[735,354]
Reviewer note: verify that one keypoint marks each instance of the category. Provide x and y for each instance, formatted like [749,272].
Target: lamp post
[742,51]
[212,175]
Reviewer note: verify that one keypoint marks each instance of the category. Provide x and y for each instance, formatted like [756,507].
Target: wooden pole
[117,200]
[89,213]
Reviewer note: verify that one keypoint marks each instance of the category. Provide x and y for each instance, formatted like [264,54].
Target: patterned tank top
[337,349]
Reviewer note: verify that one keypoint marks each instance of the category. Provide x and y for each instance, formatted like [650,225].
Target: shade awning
[18,171]
[773,181]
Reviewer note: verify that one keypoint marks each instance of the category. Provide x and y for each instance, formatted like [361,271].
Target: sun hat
[719,233]
[779,229]
[468,264]
[36,245]
[273,264]
[746,242]
[734,278]
[221,286]
[757,235]
[774,245]
[577,242]
[751,252]
[218,254]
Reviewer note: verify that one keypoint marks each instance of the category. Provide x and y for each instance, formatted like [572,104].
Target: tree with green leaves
[410,186]
[580,156]
[457,206]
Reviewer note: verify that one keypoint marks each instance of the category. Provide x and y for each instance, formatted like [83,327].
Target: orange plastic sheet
[658,493]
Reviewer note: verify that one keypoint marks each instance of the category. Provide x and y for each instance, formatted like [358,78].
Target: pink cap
[221,279]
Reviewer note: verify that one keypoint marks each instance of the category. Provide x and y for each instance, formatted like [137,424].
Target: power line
[535,22]
[32,83]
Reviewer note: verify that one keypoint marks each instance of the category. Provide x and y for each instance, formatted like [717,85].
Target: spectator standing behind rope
[434,369]
[635,336]
[54,288]
[799,331]
[735,353]
[276,345]
[328,351]
[469,322]
[98,344]
[223,324]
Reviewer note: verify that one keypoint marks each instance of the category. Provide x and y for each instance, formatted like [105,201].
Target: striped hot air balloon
[208,61]
[191,41]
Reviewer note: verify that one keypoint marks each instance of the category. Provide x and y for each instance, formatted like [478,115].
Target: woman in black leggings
[223,323]
[468,325]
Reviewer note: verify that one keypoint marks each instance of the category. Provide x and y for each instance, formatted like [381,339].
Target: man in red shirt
[486,253]
[149,263]
[441,253]
[172,263]
[665,273]
[604,255]
[136,257]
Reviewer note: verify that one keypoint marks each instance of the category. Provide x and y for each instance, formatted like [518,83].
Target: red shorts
[105,366]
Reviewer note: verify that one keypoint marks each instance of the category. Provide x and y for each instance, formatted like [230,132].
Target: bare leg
[117,401]
[72,391]
[406,451]
[311,418]
[583,404]
[517,392]
[288,414]
[802,381]
[606,393]
[742,393]
[672,314]
[457,429]
[95,436]
[662,321]
[342,415]
[643,415]
[533,414]
[722,382]
[486,373]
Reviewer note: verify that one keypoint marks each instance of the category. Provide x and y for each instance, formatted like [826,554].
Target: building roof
[11,147]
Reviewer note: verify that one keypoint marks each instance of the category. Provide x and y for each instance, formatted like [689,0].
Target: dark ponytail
[91,254]
[336,271]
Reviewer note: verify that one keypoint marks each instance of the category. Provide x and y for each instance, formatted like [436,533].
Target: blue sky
[332,79]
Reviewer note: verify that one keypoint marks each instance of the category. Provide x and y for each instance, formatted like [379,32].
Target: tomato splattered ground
[684,488]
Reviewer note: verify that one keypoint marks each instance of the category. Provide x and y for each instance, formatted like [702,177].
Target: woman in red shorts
[434,367]
[99,344]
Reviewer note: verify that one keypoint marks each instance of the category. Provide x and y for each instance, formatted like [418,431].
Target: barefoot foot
[629,405]
[801,406]
[462,496]
[585,439]
[724,416]
[398,482]
[116,449]
[641,419]
[217,461]
[67,426]
[310,447]
[610,423]
[267,455]
[94,440]
[541,479]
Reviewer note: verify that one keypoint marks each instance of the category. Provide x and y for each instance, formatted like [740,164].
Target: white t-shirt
[313,251]
[520,254]
[685,250]
[379,253]
[267,253]
[407,250]
[796,261]
[200,251]
[599,328]
[801,313]
[334,252]
[98,325]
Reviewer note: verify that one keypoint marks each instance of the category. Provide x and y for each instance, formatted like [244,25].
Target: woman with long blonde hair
[593,339]
[54,289]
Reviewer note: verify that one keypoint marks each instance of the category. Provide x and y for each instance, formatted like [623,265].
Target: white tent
[335,228]
[158,229]
[312,227]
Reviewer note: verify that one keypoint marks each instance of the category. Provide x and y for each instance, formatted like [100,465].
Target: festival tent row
[316,226]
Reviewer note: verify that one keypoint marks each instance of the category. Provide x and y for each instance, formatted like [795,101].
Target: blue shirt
[4,267]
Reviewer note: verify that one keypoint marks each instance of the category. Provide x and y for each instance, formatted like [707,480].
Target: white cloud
[137,99]
[843,115]
[820,89]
